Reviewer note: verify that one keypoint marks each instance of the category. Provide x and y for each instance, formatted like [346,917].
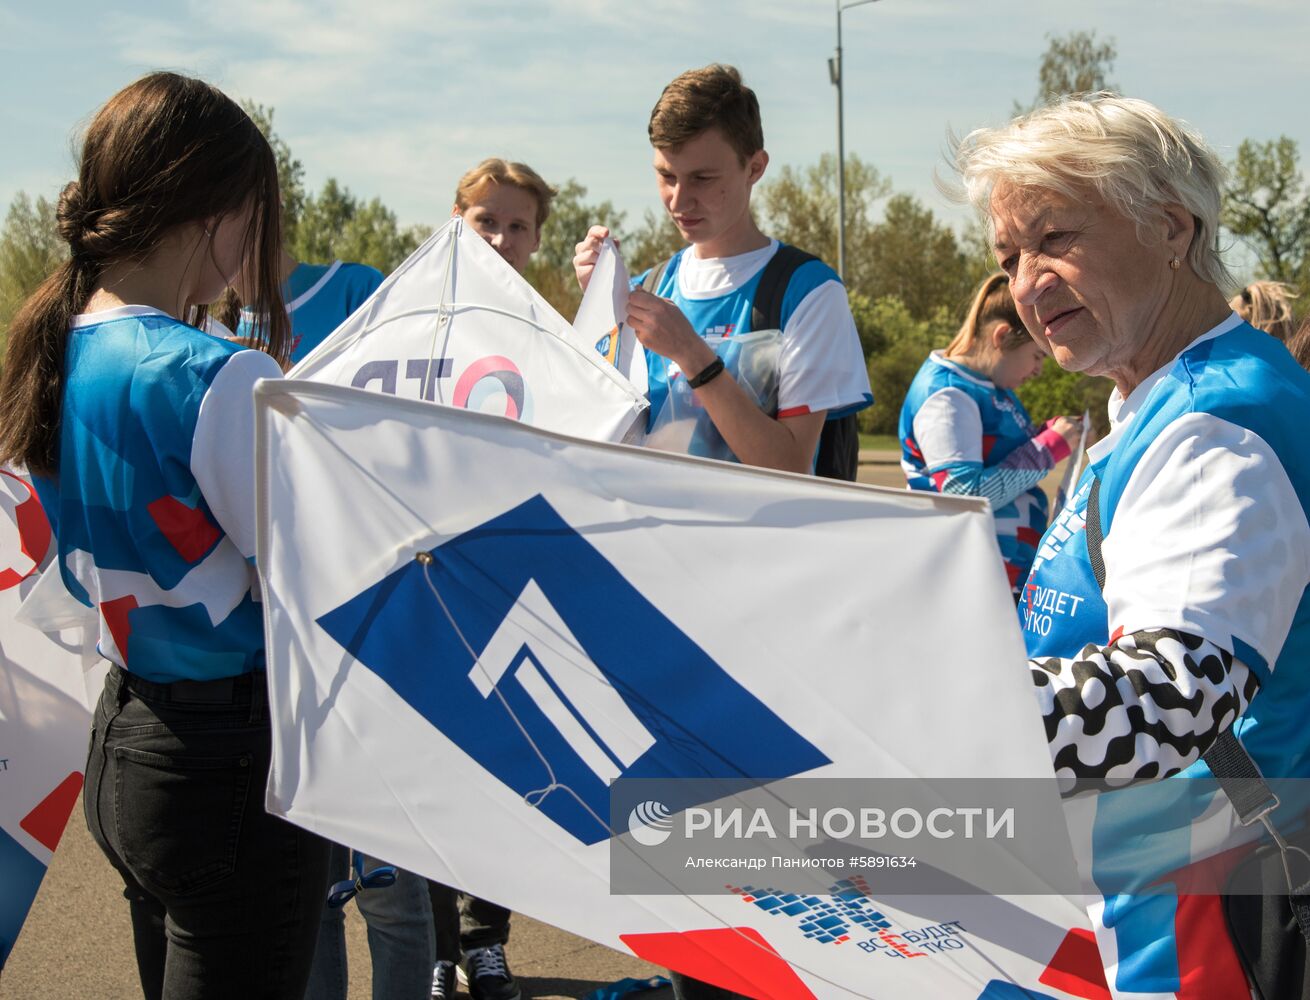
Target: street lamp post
[835,75]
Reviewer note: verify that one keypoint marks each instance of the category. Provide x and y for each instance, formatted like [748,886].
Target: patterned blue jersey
[1204,498]
[153,505]
[319,297]
[961,434]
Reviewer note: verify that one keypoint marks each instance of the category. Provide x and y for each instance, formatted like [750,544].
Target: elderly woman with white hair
[1167,611]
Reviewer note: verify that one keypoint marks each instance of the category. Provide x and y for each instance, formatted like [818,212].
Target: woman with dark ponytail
[138,430]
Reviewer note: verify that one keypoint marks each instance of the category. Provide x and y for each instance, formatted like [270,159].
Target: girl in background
[964,431]
[1267,306]
[1299,344]
[138,429]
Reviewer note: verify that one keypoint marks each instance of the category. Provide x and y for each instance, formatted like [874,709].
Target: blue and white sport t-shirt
[1204,492]
[820,364]
[319,298]
[961,434]
[154,506]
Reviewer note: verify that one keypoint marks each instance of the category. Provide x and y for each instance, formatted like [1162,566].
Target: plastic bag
[683,426]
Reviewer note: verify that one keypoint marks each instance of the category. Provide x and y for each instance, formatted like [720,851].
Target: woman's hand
[1069,428]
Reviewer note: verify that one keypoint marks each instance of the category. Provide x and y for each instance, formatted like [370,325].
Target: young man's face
[707,190]
[506,217]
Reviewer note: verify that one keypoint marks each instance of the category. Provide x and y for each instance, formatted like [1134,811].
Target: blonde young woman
[506,203]
[964,431]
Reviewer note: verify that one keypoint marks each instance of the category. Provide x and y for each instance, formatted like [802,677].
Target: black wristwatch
[707,374]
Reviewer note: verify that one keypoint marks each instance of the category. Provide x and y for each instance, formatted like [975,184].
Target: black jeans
[463,922]
[225,898]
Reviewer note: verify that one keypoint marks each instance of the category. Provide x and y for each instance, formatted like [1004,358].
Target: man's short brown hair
[494,170]
[702,99]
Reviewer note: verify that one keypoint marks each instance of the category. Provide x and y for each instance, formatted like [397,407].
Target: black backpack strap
[766,310]
[839,443]
[839,449]
[1094,535]
[1240,778]
[655,275]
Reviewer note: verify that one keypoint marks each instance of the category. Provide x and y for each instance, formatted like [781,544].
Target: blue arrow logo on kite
[601,683]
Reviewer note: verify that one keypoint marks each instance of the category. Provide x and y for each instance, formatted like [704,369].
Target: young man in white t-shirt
[709,154]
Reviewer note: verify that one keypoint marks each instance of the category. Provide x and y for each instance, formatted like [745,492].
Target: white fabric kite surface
[49,678]
[455,324]
[476,628]
[601,315]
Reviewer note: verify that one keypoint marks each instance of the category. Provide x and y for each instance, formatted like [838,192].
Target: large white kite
[477,630]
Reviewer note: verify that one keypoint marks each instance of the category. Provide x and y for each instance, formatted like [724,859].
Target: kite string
[535,797]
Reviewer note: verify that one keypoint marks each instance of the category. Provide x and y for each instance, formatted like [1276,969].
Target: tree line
[909,274]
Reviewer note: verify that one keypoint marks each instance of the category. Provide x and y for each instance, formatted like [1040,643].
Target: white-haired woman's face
[1082,280]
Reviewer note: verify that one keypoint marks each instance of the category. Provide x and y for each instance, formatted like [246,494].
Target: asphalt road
[77,942]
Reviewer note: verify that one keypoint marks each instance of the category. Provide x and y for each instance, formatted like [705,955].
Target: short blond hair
[1267,306]
[494,170]
[1128,151]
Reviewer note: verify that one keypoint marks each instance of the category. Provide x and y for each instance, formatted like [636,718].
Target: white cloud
[397,97]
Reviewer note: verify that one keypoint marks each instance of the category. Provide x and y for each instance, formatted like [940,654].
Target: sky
[397,98]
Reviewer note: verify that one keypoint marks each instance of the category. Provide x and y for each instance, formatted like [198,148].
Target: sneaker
[488,974]
[443,980]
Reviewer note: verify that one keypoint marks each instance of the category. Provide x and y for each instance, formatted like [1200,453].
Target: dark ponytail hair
[164,151]
[992,304]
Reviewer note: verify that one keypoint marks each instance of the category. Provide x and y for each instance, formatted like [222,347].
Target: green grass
[879,442]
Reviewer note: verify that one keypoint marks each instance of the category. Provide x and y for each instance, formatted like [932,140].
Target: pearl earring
[1175,264]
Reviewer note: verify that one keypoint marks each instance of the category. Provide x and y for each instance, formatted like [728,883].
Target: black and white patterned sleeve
[1145,707]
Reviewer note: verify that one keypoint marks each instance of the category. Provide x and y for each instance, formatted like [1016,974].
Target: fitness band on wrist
[707,374]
